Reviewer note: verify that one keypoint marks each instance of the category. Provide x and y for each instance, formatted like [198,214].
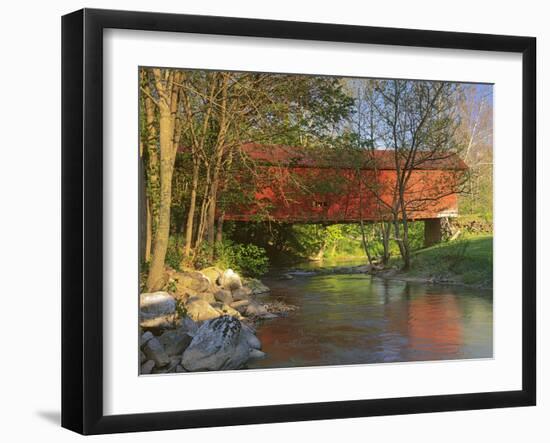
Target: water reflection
[353,319]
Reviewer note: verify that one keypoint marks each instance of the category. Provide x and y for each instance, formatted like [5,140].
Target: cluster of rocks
[202,321]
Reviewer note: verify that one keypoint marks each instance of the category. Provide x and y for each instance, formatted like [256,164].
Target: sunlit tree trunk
[167,103]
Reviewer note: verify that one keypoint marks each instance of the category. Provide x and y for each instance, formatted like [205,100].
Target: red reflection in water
[435,323]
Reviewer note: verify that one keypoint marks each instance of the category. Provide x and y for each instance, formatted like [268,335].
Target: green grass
[468,261]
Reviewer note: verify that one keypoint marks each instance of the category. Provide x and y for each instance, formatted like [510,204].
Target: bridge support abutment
[432,231]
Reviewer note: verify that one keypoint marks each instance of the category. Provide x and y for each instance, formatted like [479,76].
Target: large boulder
[170,367]
[200,310]
[158,323]
[241,294]
[256,286]
[154,350]
[156,304]
[206,296]
[224,309]
[189,325]
[213,274]
[218,345]
[248,334]
[145,337]
[224,296]
[175,341]
[157,310]
[147,367]
[230,280]
[190,280]
[240,305]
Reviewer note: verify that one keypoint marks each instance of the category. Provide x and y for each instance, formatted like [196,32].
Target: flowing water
[357,318]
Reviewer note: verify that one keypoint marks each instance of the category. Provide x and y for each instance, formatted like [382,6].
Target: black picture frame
[82,218]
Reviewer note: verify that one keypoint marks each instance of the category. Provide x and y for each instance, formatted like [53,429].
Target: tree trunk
[219,231]
[192,205]
[362,224]
[148,233]
[156,270]
[385,229]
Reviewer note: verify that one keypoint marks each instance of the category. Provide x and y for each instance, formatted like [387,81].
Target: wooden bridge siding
[350,191]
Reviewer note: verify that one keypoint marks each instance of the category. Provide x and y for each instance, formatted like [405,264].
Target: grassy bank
[468,261]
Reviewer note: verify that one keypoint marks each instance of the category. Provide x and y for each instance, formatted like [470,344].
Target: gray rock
[240,305]
[191,280]
[214,274]
[155,351]
[142,357]
[156,304]
[218,345]
[256,286]
[147,367]
[255,308]
[224,296]
[241,294]
[206,296]
[159,322]
[200,310]
[145,338]
[230,280]
[224,309]
[251,339]
[170,367]
[255,354]
[190,326]
[175,341]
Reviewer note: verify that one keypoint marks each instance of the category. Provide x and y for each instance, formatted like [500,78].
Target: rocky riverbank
[202,321]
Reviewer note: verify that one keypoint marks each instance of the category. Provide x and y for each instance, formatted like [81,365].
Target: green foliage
[174,253]
[181,311]
[248,259]
[469,260]
[251,260]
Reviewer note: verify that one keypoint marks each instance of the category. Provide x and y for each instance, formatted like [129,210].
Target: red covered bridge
[299,185]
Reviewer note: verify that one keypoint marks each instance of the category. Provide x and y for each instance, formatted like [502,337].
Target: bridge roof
[382,159]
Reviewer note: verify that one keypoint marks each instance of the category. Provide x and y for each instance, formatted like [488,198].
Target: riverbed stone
[243,293]
[189,325]
[218,345]
[192,280]
[170,367]
[200,310]
[157,304]
[256,286]
[226,310]
[208,297]
[146,336]
[240,305]
[224,296]
[256,309]
[251,339]
[175,341]
[154,350]
[213,274]
[158,323]
[256,354]
[147,367]
[230,280]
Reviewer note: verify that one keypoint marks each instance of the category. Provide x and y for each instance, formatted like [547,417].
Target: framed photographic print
[326,221]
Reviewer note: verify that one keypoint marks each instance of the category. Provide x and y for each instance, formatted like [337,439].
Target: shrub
[250,259]
[174,253]
[247,259]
